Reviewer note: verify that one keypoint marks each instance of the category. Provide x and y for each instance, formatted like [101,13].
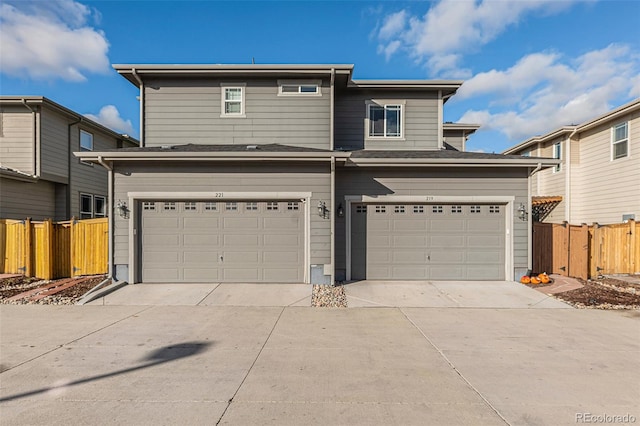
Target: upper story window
[620,141]
[297,88]
[86,141]
[557,154]
[384,120]
[232,100]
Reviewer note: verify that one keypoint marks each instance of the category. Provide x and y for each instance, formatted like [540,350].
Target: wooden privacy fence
[586,251]
[51,250]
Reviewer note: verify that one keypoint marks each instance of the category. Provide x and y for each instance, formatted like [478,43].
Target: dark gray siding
[225,178]
[20,200]
[436,181]
[54,146]
[17,139]
[420,121]
[188,111]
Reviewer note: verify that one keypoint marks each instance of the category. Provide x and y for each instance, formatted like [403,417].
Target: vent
[250,147]
[166,147]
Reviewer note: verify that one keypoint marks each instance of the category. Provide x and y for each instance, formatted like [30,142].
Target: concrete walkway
[255,365]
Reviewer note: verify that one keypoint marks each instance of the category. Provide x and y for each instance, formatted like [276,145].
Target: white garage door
[428,241]
[229,241]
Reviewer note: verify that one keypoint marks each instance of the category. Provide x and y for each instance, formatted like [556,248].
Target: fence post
[48,248]
[596,251]
[28,248]
[632,246]
[72,246]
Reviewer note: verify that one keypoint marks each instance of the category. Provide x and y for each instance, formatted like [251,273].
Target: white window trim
[84,194]
[385,103]
[614,142]
[299,83]
[104,204]
[223,87]
[80,141]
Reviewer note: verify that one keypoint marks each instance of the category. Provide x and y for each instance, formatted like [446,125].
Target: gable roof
[562,131]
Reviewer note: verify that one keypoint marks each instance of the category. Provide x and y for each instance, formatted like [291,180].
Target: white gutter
[332,110]
[110,213]
[137,77]
[567,179]
[530,221]
[440,118]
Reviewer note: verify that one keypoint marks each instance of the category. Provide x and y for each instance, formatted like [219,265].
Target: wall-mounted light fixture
[122,209]
[522,212]
[340,211]
[322,209]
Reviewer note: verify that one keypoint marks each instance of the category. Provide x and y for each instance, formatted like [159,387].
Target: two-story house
[40,178]
[299,173]
[598,178]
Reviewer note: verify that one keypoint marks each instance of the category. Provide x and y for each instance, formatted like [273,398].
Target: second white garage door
[229,241]
[428,241]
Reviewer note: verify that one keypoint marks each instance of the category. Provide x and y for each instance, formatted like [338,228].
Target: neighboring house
[598,178]
[39,176]
[298,173]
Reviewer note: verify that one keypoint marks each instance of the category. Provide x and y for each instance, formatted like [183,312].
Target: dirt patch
[601,293]
[11,287]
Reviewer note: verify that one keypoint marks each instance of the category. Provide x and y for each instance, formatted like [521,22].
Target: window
[231,206]
[361,209]
[210,206]
[436,209]
[381,209]
[190,206]
[557,154]
[398,209]
[299,89]
[293,205]
[474,209]
[494,209]
[272,205]
[148,205]
[86,141]
[620,141]
[233,100]
[251,206]
[99,206]
[418,209]
[86,206]
[385,121]
[169,206]
[456,209]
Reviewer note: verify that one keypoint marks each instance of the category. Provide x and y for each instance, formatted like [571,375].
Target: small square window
[456,209]
[86,141]
[190,206]
[398,209]
[233,100]
[474,209]
[99,206]
[494,209]
[251,206]
[210,206]
[231,206]
[272,205]
[293,205]
[169,206]
[361,209]
[385,121]
[436,209]
[148,205]
[381,209]
[418,209]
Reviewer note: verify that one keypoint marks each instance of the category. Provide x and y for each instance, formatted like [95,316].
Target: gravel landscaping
[11,287]
[328,296]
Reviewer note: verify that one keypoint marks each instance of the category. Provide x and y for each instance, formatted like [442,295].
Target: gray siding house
[40,178]
[299,173]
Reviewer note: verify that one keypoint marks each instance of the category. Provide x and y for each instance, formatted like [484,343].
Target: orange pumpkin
[535,280]
[525,279]
[544,278]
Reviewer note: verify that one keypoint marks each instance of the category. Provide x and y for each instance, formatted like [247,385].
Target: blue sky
[529,66]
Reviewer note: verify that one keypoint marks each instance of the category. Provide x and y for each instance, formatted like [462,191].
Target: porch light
[322,209]
[522,212]
[122,209]
[340,211]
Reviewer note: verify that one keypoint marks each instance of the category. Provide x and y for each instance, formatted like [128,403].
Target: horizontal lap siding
[228,178]
[605,189]
[178,112]
[551,183]
[420,122]
[54,146]
[464,182]
[16,139]
[20,200]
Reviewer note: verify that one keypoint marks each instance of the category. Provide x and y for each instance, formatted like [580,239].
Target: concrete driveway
[246,365]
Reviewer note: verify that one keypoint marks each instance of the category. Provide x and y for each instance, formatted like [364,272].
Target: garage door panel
[230,244]
[448,242]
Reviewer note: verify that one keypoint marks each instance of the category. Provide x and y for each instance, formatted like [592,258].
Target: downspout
[109,168]
[567,180]
[332,110]
[440,118]
[69,159]
[530,221]
[34,136]
[137,77]
[332,215]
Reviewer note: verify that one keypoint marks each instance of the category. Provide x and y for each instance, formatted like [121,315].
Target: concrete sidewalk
[195,365]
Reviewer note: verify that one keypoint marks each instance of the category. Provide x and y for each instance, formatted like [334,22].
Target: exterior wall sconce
[522,212]
[322,209]
[340,211]
[122,209]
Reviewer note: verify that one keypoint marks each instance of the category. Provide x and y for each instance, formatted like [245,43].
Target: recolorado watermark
[605,418]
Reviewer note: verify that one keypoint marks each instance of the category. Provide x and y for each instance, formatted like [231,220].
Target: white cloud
[46,40]
[109,116]
[452,27]
[544,91]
